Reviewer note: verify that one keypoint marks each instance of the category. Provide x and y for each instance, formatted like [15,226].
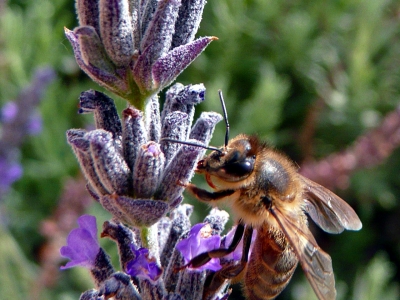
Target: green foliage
[374,281]
[276,62]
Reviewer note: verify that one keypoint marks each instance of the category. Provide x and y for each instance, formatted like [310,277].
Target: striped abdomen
[271,265]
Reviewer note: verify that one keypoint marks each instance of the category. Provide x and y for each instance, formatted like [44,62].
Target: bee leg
[205,257]
[230,271]
[206,196]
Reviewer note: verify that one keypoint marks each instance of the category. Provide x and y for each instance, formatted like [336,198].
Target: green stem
[144,235]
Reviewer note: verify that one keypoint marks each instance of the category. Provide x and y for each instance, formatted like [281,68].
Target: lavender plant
[19,119]
[135,49]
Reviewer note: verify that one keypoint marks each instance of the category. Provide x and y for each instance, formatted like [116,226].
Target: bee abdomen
[271,266]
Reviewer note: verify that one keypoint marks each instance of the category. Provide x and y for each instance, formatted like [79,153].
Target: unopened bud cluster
[136,48]
[130,169]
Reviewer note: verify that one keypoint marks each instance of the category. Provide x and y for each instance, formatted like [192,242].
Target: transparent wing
[328,211]
[316,264]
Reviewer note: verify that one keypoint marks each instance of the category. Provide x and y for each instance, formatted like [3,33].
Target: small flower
[200,241]
[142,266]
[82,245]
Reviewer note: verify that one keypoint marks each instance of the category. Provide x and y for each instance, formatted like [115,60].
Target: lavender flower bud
[180,169]
[109,163]
[170,99]
[153,122]
[102,268]
[158,35]
[92,49]
[133,134]
[120,287]
[174,127]
[188,22]
[204,127]
[88,13]
[217,219]
[148,11]
[111,81]
[90,295]
[116,31]
[148,170]
[180,224]
[183,98]
[81,147]
[124,237]
[163,229]
[105,113]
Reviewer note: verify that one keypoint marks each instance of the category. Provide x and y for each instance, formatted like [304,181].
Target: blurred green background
[277,62]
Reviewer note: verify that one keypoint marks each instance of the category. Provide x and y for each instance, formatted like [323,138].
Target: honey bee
[266,193]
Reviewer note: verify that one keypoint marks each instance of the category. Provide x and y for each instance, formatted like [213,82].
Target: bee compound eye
[240,168]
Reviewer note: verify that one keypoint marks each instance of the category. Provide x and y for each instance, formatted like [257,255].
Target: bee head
[232,163]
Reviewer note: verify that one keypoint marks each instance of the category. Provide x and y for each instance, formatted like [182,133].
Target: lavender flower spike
[82,245]
[136,48]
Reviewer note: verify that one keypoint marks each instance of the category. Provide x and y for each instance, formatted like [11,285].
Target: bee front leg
[207,196]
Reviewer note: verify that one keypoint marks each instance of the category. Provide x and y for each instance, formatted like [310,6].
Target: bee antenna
[221,98]
[192,144]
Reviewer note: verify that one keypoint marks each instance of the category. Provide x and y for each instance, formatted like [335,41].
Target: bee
[266,193]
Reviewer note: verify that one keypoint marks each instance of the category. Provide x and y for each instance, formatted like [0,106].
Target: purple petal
[196,244]
[237,254]
[82,245]
[143,266]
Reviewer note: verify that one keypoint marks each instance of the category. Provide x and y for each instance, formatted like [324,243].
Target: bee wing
[328,211]
[316,264]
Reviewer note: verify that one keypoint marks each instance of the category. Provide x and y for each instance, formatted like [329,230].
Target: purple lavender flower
[142,266]
[9,173]
[82,245]
[35,124]
[200,241]
[8,112]
[133,169]
[17,119]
